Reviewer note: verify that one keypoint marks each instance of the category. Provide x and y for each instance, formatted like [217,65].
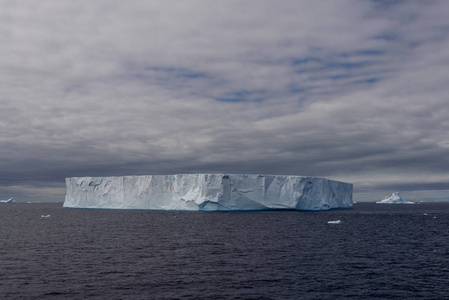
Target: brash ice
[208,192]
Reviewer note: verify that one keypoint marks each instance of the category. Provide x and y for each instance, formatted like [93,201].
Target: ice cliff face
[394,199]
[208,192]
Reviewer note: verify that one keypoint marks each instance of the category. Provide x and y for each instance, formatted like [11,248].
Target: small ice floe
[45,216]
[334,222]
[424,214]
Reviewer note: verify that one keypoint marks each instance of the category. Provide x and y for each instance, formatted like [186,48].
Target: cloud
[349,90]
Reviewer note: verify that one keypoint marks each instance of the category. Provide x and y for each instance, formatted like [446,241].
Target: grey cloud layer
[350,90]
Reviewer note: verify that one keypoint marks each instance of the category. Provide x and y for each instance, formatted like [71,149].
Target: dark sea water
[377,252]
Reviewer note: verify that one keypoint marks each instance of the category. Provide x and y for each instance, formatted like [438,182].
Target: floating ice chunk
[208,192]
[394,199]
[45,216]
[334,222]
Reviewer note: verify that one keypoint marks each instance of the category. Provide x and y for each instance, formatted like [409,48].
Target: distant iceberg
[10,200]
[208,192]
[394,199]
[334,222]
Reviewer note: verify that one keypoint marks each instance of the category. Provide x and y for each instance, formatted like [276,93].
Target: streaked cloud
[351,90]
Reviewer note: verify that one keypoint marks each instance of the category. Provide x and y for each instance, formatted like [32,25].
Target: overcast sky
[355,91]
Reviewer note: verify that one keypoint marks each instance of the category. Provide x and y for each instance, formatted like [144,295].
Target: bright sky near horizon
[350,90]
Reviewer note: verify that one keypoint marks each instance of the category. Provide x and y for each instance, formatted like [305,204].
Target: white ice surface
[394,199]
[208,192]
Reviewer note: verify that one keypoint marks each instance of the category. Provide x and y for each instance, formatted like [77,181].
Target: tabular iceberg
[208,192]
[395,198]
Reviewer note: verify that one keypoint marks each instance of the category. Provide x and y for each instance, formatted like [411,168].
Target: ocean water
[377,252]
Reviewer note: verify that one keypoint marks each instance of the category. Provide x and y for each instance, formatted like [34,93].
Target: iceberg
[208,192]
[395,198]
[334,222]
[10,200]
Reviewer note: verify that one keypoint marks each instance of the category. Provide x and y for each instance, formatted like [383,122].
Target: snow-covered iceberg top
[208,192]
[395,199]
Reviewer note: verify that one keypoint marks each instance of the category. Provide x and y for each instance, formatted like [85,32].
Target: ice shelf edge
[208,192]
